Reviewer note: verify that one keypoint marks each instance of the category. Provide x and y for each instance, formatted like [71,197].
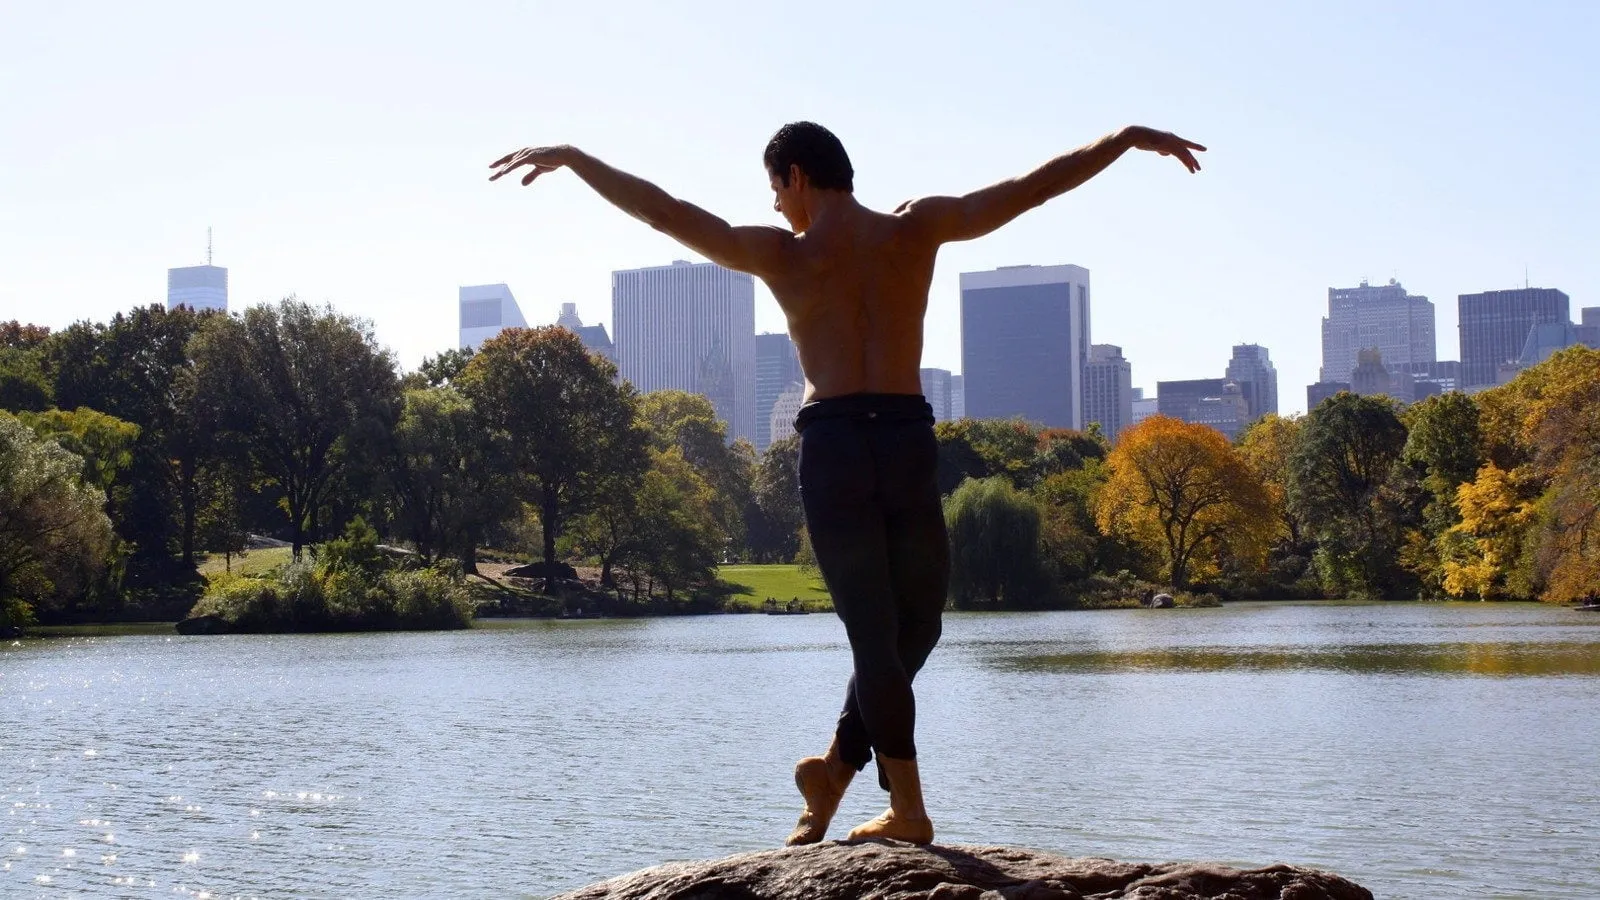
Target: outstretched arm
[756,249]
[982,211]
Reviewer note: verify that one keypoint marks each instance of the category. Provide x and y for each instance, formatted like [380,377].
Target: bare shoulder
[927,219]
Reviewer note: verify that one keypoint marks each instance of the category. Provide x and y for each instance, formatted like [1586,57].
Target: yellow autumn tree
[1182,491]
[1541,434]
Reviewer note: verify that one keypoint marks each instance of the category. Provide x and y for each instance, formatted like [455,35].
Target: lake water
[1422,750]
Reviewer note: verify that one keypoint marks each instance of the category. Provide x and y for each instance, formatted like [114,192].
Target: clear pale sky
[340,152]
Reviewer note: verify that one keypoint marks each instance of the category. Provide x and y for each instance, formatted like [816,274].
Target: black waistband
[880,407]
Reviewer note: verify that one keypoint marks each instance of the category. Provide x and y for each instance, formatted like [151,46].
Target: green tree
[774,517]
[568,421]
[23,385]
[310,393]
[54,533]
[446,367]
[1443,451]
[135,368]
[689,422]
[676,535]
[1342,482]
[450,474]
[994,545]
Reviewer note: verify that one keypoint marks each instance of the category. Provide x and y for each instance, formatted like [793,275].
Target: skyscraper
[780,420]
[1024,342]
[1143,407]
[1495,325]
[485,310]
[594,337]
[777,367]
[1217,402]
[936,389]
[690,327]
[1108,390]
[198,287]
[1385,318]
[1251,368]
[1588,332]
[958,397]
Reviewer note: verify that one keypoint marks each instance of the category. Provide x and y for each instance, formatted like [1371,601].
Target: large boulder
[889,870]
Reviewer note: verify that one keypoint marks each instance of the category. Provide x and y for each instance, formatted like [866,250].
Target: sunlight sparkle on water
[191,856]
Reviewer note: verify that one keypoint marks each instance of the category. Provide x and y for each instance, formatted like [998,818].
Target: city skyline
[1326,127]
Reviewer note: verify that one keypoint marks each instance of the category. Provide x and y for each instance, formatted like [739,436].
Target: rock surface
[894,871]
[204,625]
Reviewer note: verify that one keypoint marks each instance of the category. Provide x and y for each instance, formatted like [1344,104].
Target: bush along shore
[353,585]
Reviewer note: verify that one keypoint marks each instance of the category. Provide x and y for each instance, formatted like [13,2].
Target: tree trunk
[547,512]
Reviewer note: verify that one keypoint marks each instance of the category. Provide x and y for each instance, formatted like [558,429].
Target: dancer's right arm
[757,249]
[945,219]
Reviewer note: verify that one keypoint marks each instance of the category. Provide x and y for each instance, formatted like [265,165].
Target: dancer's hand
[1165,143]
[542,159]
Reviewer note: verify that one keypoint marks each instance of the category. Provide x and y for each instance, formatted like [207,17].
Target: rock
[204,625]
[559,571]
[1161,601]
[889,870]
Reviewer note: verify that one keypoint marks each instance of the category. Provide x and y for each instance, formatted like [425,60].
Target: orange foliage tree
[1184,492]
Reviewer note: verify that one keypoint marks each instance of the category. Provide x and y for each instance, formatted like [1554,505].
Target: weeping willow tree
[994,545]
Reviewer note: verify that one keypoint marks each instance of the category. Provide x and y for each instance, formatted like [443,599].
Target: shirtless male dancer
[853,283]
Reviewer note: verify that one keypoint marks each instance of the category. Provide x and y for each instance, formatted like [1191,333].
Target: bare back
[854,289]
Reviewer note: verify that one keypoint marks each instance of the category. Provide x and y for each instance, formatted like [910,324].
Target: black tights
[868,482]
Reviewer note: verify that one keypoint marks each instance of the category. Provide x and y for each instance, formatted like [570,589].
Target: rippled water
[1425,751]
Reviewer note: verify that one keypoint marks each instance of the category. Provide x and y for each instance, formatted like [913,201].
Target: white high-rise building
[690,327]
[958,397]
[1108,390]
[780,422]
[198,287]
[485,310]
[1383,318]
[1024,343]
[936,390]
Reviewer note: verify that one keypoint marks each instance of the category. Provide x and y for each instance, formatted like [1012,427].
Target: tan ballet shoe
[906,819]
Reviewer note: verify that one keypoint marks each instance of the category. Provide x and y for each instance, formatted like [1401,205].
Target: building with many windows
[958,397]
[1382,317]
[198,288]
[594,337]
[690,327]
[1024,342]
[777,367]
[936,390]
[780,421]
[1217,402]
[1588,331]
[1142,407]
[1494,329]
[1107,390]
[1251,368]
[484,310]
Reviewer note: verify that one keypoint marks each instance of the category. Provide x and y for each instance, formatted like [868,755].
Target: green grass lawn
[752,585]
[252,563]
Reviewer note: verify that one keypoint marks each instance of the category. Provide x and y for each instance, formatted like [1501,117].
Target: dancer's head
[801,157]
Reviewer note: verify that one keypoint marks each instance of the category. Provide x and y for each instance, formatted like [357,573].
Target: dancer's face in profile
[786,199]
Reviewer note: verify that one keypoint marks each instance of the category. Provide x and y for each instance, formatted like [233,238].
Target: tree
[689,422]
[54,533]
[1184,493]
[994,544]
[310,392]
[1342,482]
[1541,436]
[569,423]
[23,385]
[137,368]
[450,475]
[446,367]
[774,517]
[675,535]
[1443,451]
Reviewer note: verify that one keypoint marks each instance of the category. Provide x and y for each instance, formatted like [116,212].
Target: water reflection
[1498,659]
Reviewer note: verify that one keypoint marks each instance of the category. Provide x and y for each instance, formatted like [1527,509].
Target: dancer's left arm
[757,249]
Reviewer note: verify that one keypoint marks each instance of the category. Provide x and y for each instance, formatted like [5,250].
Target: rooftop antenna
[208,245]
[1524,276]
